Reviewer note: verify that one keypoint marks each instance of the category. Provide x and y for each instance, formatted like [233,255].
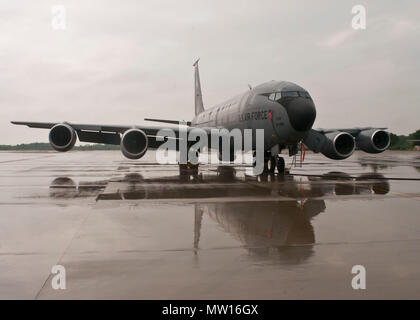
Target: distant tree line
[403,142]
[397,143]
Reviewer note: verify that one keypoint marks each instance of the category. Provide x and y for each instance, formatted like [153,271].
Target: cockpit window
[289,94]
[304,94]
[276,96]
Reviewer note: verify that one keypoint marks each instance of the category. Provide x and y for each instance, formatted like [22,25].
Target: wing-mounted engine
[134,143]
[62,137]
[373,140]
[335,145]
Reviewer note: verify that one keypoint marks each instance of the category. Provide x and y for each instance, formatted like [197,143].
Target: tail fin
[199,107]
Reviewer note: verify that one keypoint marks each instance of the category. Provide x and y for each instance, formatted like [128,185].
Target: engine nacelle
[62,137]
[134,143]
[338,145]
[373,140]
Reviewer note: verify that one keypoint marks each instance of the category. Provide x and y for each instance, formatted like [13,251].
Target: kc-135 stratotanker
[285,111]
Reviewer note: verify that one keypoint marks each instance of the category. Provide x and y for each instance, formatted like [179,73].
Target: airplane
[284,110]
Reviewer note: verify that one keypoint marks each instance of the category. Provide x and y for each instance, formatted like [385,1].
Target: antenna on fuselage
[198,97]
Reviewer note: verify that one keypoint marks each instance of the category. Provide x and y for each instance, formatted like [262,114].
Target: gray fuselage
[283,109]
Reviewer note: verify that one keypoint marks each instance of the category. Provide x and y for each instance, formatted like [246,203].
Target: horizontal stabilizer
[168,121]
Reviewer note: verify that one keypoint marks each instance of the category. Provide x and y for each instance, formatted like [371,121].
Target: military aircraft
[284,110]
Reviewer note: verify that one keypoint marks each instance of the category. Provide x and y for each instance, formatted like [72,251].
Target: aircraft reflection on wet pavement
[269,229]
[222,183]
[276,229]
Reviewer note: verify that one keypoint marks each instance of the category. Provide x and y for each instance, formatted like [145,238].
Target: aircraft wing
[353,131]
[41,125]
[88,127]
[106,134]
[340,143]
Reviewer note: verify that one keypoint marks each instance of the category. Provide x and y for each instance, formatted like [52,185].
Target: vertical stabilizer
[199,107]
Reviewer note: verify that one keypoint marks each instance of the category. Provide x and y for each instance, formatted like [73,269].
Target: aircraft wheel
[280,164]
[270,164]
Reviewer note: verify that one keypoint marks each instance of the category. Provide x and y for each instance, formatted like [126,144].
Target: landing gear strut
[272,162]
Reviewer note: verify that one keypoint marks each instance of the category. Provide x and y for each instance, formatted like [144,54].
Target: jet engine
[338,145]
[335,145]
[134,143]
[373,140]
[62,137]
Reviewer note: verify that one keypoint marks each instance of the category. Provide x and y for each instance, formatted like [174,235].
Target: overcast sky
[118,62]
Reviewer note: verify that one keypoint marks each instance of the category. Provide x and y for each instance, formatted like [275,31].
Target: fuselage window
[271,96]
[278,96]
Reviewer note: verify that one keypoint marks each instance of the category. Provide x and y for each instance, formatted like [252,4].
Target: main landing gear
[280,164]
[189,168]
[271,163]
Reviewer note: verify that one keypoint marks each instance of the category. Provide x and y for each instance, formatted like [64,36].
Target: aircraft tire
[281,165]
[270,164]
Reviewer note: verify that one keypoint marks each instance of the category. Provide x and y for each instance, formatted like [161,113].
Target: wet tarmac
[138,230]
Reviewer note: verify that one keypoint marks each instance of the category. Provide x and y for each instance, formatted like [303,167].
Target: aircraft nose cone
[301,113]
